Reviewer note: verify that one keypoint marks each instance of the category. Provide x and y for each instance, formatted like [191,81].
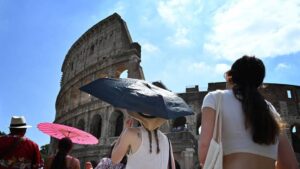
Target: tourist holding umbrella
[151,105]
[67,136]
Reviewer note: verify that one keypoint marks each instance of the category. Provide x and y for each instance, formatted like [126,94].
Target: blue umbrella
[138,96]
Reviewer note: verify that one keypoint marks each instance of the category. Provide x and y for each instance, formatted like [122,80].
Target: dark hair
[247,74]
[18,131]
[64,147]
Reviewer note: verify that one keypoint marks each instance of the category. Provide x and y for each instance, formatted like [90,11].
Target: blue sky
[184,43]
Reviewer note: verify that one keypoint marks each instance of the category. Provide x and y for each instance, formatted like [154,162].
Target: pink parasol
[60,131]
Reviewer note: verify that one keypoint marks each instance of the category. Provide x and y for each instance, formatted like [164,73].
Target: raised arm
[122,145]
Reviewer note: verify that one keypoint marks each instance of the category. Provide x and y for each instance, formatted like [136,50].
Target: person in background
[62,160]
[106,163]
[88,165]
[252,131]
[18,151]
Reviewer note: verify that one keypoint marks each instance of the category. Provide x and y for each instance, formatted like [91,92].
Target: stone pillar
[134,68]
[188,158]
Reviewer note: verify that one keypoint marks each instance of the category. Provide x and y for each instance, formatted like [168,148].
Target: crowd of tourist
[253,133]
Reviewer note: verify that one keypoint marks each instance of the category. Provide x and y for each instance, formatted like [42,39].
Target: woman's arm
[76,164]
[286,156]
[122,145]
[207,128]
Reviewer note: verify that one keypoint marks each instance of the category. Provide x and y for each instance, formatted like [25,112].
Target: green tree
[2,133]
[44,151]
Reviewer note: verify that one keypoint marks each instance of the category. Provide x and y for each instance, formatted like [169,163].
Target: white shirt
[143,159]
[235,137]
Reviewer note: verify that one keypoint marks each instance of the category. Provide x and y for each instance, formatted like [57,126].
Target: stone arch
[295,134]
[96,126]
[198,123]
[116,122]
[124,74]
[81,124]
[179,124]
[120,70]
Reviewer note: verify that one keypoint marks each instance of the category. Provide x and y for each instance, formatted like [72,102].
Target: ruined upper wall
[108,37]
[105,50]
[285,98]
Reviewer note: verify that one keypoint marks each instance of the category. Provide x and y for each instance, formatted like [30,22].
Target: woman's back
[238,146]
[142,158]
[247,161]
[236,138]
[71,162]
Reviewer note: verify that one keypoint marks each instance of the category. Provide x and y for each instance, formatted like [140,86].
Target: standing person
[18,151]
[252,135]
[137,143]
[62,160]
[106,163]
[88,165]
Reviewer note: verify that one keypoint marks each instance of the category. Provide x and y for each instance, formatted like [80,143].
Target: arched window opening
[179,124]
[119,124]
[96,126]
[295,132]
[124,74]
[198,124]
[81,124]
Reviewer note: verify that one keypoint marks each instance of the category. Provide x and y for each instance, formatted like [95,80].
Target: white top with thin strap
[235,137]
[143,159]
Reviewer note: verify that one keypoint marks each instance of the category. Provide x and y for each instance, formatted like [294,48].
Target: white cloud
[119,7]
[221,68]
[207,69]
[282,66]
[197,67]
[149,48]
[180,37]
[180,15]
[266,28]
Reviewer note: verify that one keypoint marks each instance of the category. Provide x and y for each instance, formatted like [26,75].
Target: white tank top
[143,159]
[235,137]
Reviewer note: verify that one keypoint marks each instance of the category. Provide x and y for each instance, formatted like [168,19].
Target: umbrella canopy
[60,131]
[139,96]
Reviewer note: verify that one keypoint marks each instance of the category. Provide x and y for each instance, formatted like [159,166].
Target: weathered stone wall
[107,50]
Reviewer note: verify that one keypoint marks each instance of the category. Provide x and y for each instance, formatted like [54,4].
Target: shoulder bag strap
[169,164]
[217,134]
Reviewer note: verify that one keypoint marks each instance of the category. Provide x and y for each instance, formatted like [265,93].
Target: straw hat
[18,122]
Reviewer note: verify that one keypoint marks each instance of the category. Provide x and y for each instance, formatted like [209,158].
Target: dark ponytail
[64,147]
[247,74]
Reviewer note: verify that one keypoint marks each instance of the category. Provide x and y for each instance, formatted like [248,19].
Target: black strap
[11,148]
[170,160]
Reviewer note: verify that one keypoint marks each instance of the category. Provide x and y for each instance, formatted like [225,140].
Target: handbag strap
[169,163]
[217,134]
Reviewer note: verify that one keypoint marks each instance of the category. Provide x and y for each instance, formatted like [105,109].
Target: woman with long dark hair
[62,160]
[252,131]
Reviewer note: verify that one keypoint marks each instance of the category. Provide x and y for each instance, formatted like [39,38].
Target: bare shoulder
[132,132]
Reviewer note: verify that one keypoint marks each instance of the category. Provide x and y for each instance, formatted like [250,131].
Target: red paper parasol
[60,131]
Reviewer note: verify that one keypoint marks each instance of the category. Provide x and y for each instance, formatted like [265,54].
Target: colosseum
[107,50]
